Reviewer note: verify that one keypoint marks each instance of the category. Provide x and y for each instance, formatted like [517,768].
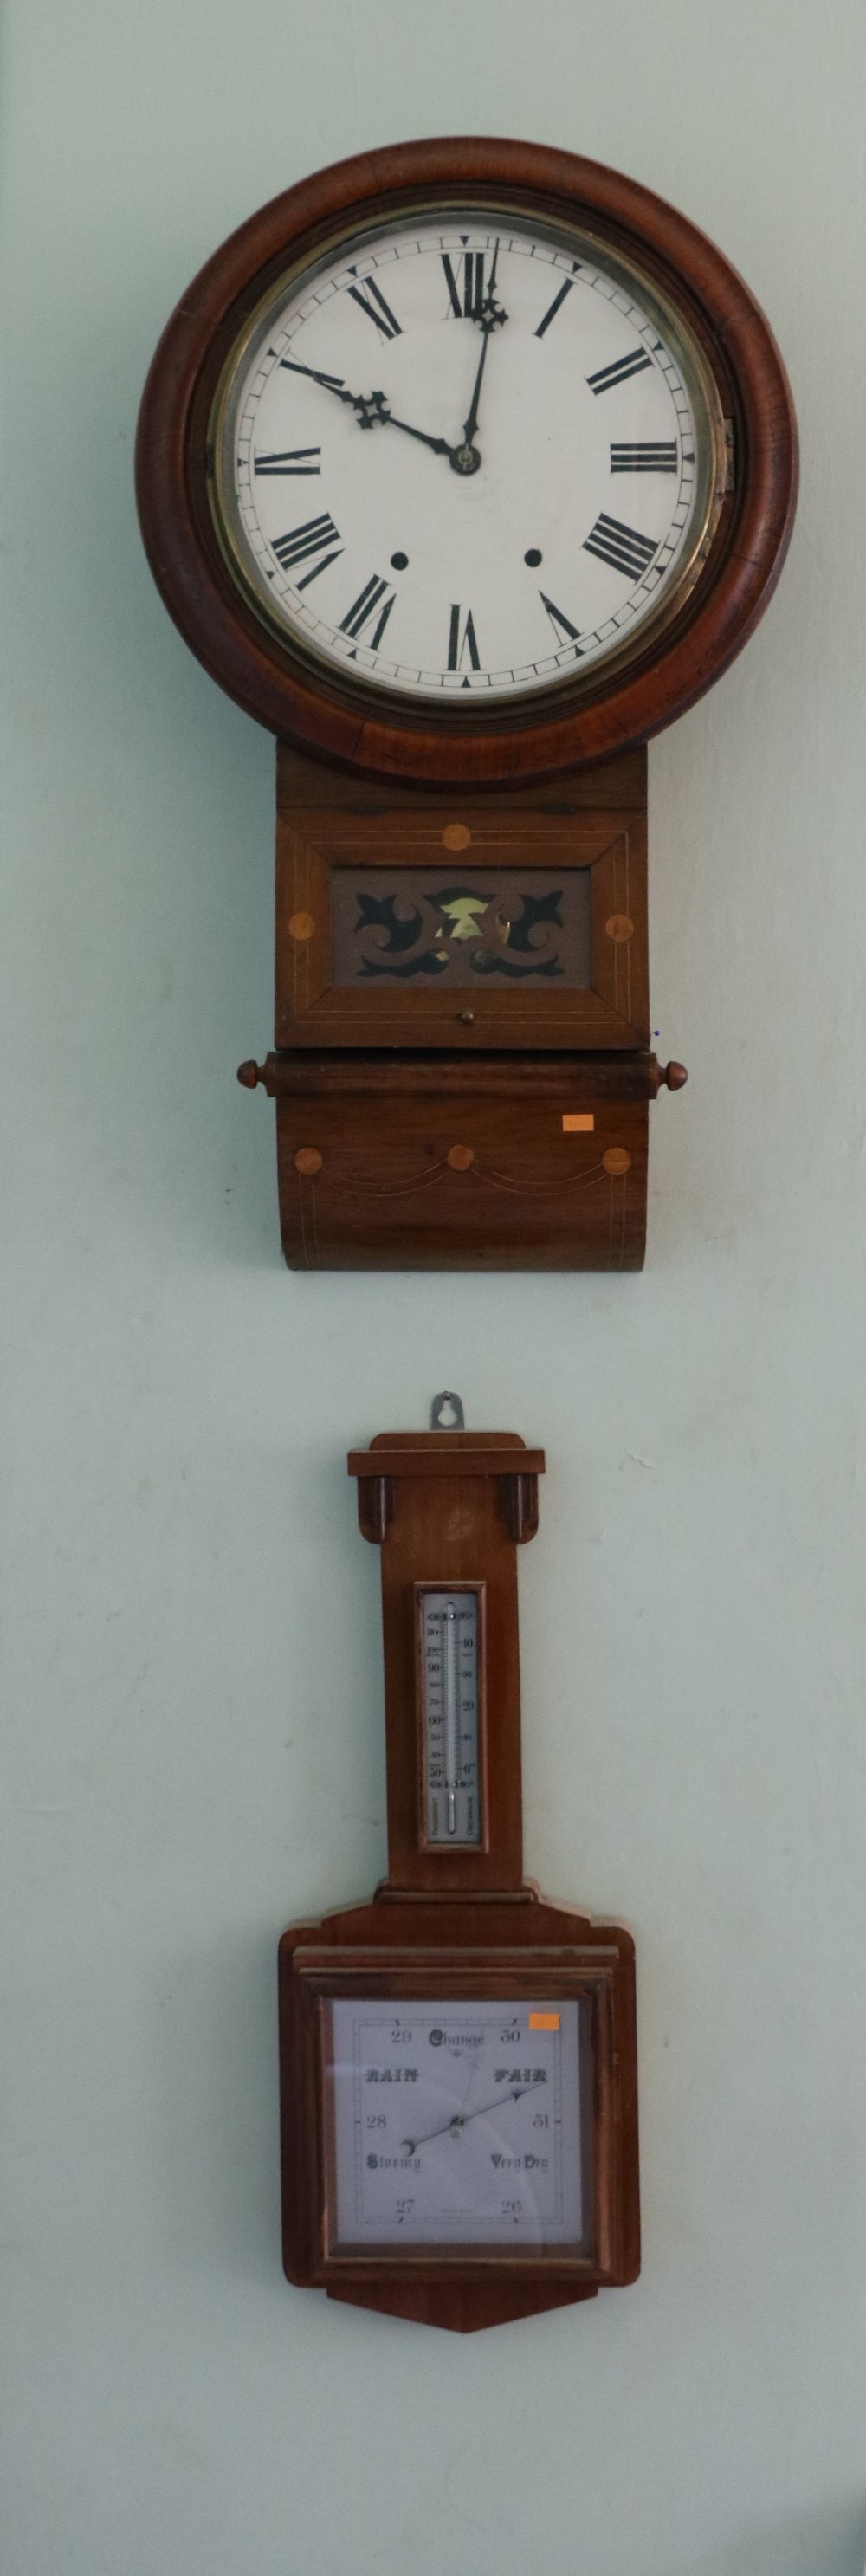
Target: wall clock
[464,467]
[458,2063]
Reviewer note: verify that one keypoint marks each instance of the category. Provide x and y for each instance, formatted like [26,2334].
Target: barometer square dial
[457,2123]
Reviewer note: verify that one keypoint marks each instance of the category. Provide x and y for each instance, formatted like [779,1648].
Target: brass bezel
[572,689]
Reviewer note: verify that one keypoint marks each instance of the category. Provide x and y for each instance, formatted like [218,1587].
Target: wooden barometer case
[458,2056]
[465,466]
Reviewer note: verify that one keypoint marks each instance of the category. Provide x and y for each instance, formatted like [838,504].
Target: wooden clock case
[512,1133]
[454,1507]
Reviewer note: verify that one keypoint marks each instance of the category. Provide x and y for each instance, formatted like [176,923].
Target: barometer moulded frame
[462,2287]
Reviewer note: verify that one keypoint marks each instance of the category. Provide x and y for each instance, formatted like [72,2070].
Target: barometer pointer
[452,2128]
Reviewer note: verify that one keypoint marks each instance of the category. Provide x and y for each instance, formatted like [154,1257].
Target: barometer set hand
[454,2128]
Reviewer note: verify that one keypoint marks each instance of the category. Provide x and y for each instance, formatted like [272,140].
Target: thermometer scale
[449,1665]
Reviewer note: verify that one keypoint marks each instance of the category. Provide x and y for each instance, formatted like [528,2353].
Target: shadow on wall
[215,2170]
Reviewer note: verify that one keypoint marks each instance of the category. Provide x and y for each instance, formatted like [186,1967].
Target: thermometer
[449,1679]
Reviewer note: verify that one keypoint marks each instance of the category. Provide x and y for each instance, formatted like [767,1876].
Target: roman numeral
[312,538]
[630,365]
[291,460]
[385,320]
[561,624]
[459,644]
[623,548]
[365,606]
[644,456]
[464,297]
[554,308]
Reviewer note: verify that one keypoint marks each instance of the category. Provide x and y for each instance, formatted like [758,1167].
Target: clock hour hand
[454,2128]
[369,407]
[372,409]
[440,446]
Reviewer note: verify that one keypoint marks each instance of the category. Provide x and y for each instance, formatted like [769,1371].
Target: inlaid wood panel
[524,930]
[406,1178]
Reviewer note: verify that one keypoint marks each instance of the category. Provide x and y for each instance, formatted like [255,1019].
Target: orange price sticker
[544,2021]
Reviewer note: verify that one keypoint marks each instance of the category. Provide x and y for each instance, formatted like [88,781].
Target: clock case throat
[450,1509]
[462,1066]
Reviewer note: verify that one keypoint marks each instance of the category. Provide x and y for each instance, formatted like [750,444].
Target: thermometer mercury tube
[450,1697]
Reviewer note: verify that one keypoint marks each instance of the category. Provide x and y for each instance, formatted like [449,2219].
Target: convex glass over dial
[467,457]
[456,2123]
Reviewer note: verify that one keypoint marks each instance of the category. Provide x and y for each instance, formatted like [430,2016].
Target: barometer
[459,2084]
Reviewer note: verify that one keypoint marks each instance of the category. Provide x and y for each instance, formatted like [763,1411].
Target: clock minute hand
[454,2128]
[488,314]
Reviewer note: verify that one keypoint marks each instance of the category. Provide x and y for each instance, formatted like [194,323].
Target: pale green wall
[193,1677]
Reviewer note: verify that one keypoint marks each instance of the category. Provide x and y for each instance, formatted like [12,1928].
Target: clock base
[443,1163]
[462,1065]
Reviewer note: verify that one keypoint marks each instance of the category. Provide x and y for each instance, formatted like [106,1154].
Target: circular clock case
[466,461]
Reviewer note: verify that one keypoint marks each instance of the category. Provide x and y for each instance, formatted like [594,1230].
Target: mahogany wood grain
[618,783]
[384,1168]
[585,1079]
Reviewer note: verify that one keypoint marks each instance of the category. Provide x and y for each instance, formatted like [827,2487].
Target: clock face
[465,459]
[456,2123]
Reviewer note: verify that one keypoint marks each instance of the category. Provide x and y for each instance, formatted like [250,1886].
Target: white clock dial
[456,2123]
[466,459]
